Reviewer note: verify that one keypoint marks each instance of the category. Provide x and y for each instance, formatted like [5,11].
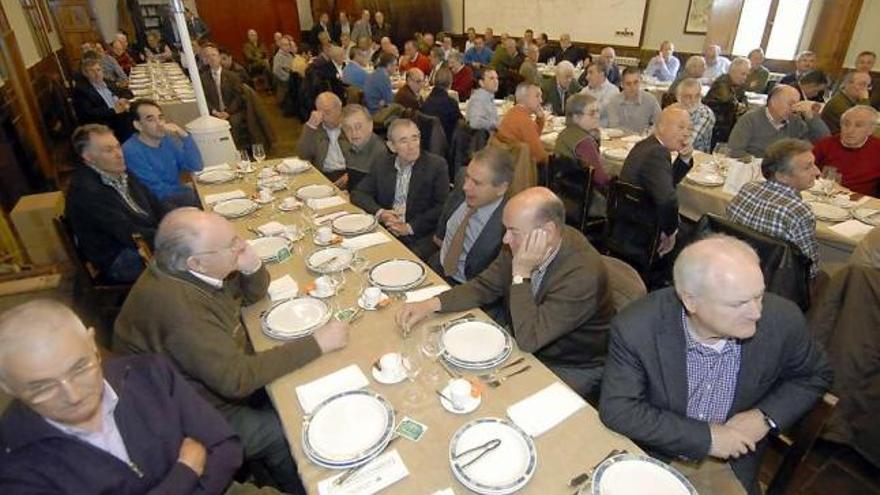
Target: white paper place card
[445,491]
[420,295]
[852,229]
[313,393]
[283,288]
[324,203]
[378,474]
[218,197]
[543,410]
[272,228]
[366,240]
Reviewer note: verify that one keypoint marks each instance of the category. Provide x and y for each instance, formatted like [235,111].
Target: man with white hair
[570,52]
[700,373]
[524,122]
[804,63]
[664,66]
[855,152]
[693,69]
[855,89]
[716,64]
[727,98]
[202,274]
[556,90]
[81,425]
[632,109]
[321,140]
[362,148]
[702,118]
[612,70]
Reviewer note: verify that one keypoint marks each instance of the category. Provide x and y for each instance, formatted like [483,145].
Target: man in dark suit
[467,248]
[553,285]
[328,69]
[409,95]
[322,26]
[559,88]
[702,372]
[546,51]
[439,104]
[570,52]
[96,102]
[106,205]
[649,166]
[225,95]
[406,192]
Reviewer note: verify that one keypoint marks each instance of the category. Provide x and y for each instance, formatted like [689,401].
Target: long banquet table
[570,448]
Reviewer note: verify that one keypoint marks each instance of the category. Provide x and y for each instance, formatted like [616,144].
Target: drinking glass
[432,348]
[411,358]
[259,153]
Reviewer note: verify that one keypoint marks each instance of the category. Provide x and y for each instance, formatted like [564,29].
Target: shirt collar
[110,179]
[213,282]
[400,165]
[109,400]
[782,188]
[692,341]
[775,123]
[546,263]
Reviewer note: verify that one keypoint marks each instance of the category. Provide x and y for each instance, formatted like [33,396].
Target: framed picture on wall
[697,20]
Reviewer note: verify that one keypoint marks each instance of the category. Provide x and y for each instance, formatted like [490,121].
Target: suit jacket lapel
[415,180]
[750,368]
[673,355]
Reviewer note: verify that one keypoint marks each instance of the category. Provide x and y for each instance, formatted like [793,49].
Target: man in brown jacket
[187,307]
[554,287]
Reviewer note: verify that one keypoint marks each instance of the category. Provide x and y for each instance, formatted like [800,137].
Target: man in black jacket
[96,102]
[702,372]
[106,205]
[406,192]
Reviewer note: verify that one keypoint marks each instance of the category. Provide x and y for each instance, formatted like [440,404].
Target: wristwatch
[774,428]
[518,279]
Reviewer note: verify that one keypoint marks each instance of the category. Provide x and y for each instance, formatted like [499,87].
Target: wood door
[76,25]
[229,20]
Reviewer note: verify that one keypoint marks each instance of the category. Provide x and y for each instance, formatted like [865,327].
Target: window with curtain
[774,25]
[34,13]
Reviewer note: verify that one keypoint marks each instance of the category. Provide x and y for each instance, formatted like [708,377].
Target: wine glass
[258,152]
[432,348]
[411,359]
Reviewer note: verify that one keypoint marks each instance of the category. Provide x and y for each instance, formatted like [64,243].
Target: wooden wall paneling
[723,23]
[76,25]
[229,20]
[831,41]
[408,16]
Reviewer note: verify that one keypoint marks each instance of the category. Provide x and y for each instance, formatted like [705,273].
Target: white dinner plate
[235,208]
[315,191]
[632,138]
[397,274]
[503,470]
[354,223]
[474,341]
[295,317]
[215,176]
[828,212]
[292,166]
[271,248]
[618,154]
[272,182]
[635,474]
[612,133]
[348,427]
[330,259]
[869,216]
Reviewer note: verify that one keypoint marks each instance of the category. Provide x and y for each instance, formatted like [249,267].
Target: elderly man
[702,118]
[79,425]
[599,87]
[113,72]
[410,94]
[377,90]
[632,109]
[805,62]
[702,372]
[855,90]
[283,61]
[462,75]
[855,152]
[786,116]
[559,88]
[406,192]
[664,66]
[528,70]
[255,59]
[553,285]
[225,96]
[612,71]
[363,27]
[321,139]
[481,111]
[106,206]
[758,75]
[363,148]
[506,57]
[649,165]
[470,230]
[439,104]
[727,98]
[524,122]
[355,73]
[569,52]
[201,276]
[812,86]
[479,55]
[160,152]
[693,69]
[96,103]
[437,57]
[774,207]
[865,64]
[413,59]
[716,64]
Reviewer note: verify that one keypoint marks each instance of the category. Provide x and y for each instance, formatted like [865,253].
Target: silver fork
[503,378]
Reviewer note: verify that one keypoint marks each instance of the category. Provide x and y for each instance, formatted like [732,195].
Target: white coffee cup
[324,234]
[391,364]
[265,194]
[460,392]
[289,202]
[323,285]
[372,297]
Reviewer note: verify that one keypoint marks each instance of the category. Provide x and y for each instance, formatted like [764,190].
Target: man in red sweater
[855,152]
[412,59]
[462,75]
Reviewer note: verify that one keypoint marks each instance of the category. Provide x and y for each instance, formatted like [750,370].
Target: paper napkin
[378,474]
[853,229]
[543,410]
[272,228]
[323,203]
[218,197]
[313,393]
[420,295]
[366,240]
[283,288]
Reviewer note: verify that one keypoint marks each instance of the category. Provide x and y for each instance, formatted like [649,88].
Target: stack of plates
[292,166]
[353,224]
[215,176]
[330,259]
[869,216]
[636,474]
[295,318]
[397,275]
[503,470]
[828,212]
[348,429]
[272,182]
[315,191]
[612,133]
[476,344]
[235,208]
[271,249]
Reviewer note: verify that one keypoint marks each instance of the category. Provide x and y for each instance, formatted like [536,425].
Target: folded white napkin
[330,216]
[740,174]
[420,295]
[283,288]
[549,138]
[272,228]
[445,491]
[545,409]
[366,240]
[853,229]
[376,475]
[218,197]
[222,166]
[322,203]
[313,393]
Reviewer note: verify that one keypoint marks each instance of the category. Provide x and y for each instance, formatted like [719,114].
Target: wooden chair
[631,232]
[624,281]
[795,446]
[574,185]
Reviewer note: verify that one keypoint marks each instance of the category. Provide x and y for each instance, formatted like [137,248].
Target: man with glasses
[409,95]
[363,148]
[187,306]
[78,425]
[406,192]
[854,90]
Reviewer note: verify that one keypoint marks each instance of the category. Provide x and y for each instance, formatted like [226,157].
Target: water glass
[432,348]
[411,358]
[259,152]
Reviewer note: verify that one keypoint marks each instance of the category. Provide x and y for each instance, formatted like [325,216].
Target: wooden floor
[833,469]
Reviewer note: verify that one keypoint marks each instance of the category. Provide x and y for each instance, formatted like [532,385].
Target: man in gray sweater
[785,117]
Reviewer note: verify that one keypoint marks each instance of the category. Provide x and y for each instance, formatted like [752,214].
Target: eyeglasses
[79,377]
[236,246]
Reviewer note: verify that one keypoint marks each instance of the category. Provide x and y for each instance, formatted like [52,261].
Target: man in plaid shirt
[688,93]
[775,207]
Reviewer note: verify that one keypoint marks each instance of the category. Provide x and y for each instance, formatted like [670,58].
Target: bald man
[203,273]
[649,165]
[702,372]
[322,140]
[79,425]
[553,286]
[855,151]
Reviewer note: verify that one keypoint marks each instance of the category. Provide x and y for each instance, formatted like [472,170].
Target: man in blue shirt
[377,89]
[479,55]
[159,152]
[354,72]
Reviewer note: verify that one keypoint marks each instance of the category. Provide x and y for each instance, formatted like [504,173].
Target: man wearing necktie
[225,95]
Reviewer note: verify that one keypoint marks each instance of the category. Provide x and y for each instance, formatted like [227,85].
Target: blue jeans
[126,267]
